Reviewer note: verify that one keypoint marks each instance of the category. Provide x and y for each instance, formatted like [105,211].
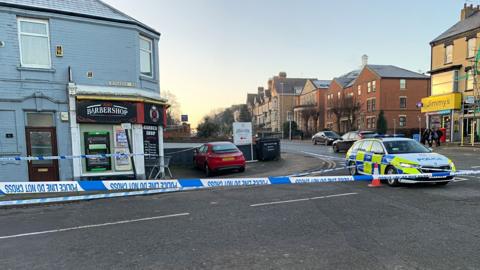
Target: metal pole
[130,152]
[290,131]
[420,128]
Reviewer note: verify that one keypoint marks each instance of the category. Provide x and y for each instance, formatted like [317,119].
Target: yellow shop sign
[451,101]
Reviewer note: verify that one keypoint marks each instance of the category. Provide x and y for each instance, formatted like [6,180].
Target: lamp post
[394,126]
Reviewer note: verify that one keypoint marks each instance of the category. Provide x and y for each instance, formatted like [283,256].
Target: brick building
[309,113]
[355,99]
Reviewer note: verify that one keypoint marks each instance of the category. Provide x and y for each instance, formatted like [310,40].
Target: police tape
[321,171]
[29,158]
[7,188]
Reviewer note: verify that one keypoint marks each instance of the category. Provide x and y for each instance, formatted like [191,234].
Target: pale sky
[213,52]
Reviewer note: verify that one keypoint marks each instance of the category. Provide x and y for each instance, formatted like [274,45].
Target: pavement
[310,226]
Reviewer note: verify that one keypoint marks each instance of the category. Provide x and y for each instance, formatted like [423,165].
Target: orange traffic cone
[375,182]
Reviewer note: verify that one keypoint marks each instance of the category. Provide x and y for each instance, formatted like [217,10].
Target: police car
[398,156]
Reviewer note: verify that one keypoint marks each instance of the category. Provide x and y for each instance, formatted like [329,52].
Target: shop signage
[154,114]
[150,147]
[99,111]
[242,133]
[451,101]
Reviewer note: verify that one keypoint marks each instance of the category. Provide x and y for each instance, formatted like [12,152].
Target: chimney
[468,11]
[364,60]
[282,74]
[260,91]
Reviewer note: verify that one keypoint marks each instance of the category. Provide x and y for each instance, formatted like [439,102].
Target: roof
[251,98]
[290,85]
[389,71]
[324,84]
[95,9]
[460,27]
[347,80]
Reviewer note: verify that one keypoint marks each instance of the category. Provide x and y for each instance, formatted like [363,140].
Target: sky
[214,52]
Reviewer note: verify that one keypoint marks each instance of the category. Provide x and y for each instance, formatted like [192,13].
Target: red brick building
[355,99]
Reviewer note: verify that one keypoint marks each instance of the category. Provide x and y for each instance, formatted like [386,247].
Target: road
[314,226]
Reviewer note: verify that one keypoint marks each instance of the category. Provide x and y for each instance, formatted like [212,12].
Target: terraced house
[454,81]
[71,73]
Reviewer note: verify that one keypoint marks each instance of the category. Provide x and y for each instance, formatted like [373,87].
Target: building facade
[453,104]
[355,99]
[72,73]
[309,112]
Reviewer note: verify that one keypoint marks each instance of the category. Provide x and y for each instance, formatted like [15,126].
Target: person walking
[438,135]
[428,137]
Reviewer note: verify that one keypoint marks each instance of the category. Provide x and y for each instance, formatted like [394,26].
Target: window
[338,94]
[146,50]
[359,89]
[471,47]
[403,102]
[34,42]
[369,122]
[470,80]
[402,121]
[374,86]
[365,146]
[374,122]
[368,105]
[445,82]
[448,54]
[369,87]
[373,104]
[403,84]
[377,148]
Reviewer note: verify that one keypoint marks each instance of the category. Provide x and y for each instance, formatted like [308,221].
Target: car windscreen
[405,147]
[331,134]
[224,148]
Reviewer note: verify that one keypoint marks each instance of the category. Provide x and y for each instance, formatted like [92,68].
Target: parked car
[348,139]
[218,156]
[325,137]
[398,156]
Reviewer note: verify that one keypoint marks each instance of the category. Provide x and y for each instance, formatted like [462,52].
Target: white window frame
[369,87]
[19,33]
[374,86]
[405,123]
[403,85]
[149,40]
[400,100]
[448,61]
[359,89]
[469,49]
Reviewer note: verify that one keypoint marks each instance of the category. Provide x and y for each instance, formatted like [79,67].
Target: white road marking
[475,167]
[460,179]
[92,226]
[304,199]
[323,156]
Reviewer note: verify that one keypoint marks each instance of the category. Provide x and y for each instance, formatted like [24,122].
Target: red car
[218,156]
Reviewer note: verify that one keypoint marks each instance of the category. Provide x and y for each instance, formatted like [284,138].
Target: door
[201,156]
[41,141]
[365,151]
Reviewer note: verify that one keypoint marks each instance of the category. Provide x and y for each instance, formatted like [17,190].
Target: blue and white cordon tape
[71,157]
[116,185]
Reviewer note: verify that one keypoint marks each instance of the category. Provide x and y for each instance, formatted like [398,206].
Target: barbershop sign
[100,111]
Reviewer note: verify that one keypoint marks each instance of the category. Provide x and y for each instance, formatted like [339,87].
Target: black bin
[268,149]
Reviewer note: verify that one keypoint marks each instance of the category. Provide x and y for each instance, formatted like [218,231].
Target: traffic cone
[375,182]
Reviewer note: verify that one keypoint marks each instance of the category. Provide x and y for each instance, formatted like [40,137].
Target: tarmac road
[312,226]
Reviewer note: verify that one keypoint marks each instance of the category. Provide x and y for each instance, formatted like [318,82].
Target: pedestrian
[438,136]
[427,137]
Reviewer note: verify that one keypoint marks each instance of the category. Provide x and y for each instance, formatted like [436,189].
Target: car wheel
[242,169]
[335,149]
[208,172]
[353,168]
[392,182]
[442,183]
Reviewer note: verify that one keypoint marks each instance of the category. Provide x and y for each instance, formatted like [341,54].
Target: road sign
[184,117]
[242,133]
[470,99]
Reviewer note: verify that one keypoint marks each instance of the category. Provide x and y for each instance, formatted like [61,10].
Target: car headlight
[407,165]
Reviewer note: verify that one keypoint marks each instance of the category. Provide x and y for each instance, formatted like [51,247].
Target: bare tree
[345,107]
[306,115]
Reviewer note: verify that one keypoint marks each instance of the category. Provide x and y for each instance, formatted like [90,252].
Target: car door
[320,137]
[367,156]
[342,144]
[378,152]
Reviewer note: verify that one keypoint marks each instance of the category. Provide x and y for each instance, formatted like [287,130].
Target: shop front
[443,112]
[117,127]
